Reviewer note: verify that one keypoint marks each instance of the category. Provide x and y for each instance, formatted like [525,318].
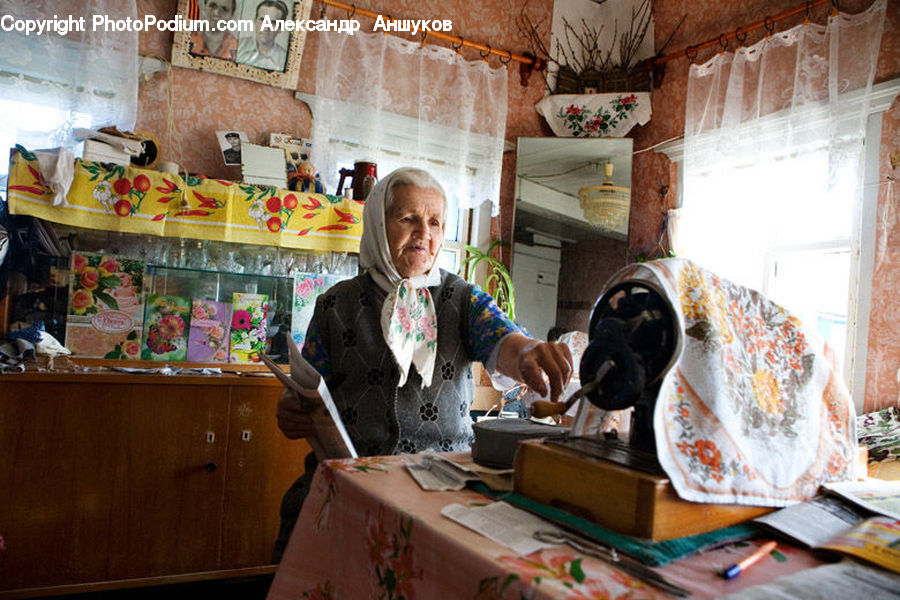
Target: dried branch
[630,43]
[578,48]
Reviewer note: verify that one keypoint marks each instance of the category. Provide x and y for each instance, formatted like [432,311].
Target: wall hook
[663,188]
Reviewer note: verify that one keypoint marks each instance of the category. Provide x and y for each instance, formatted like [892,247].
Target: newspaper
[503,523]
[833,522]
[435,473]
[843,580]
[882,497]
[815,521]
[331,439]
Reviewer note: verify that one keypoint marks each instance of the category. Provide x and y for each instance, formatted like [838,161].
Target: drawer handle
[211,466]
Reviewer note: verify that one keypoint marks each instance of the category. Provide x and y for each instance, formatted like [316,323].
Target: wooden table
[367,530]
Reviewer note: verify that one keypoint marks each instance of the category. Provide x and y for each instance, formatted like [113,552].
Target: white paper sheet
[332,439]
[502,523]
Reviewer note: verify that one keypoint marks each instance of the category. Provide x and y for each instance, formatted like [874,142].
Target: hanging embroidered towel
[753,410]
[409,325]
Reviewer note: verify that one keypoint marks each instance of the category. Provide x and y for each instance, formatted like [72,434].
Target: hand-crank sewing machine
[617,483]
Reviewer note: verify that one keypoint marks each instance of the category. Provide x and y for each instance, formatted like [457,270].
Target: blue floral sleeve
[487,325]
[314,350]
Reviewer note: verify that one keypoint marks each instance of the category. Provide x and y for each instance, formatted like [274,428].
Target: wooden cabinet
[111,478]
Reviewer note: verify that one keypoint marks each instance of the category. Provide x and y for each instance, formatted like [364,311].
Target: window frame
[862,247]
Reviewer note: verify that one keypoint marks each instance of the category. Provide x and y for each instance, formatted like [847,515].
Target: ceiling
[549,173]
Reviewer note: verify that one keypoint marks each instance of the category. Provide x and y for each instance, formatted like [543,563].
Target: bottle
[368,182]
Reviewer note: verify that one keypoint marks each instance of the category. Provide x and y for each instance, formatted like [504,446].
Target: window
[402,148]
[806,245]
[42,120]
[794,237]
[51,83]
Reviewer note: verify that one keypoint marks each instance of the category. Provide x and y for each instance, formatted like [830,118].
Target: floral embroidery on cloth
[409,325]
[753,410]
[880,431]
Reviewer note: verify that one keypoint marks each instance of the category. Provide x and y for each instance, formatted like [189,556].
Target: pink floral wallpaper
[204,103]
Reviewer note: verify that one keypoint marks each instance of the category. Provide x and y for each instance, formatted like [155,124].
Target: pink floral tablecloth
[367,530]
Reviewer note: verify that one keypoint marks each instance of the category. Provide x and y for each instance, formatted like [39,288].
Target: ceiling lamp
[606,205]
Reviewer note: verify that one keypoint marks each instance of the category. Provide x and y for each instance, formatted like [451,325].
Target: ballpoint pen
[745,563]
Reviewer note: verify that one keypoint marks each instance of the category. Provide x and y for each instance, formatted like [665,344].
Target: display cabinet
[192,270]
[186,236]
[119,479]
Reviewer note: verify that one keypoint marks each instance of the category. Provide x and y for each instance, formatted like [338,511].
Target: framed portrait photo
[230,144]
[243,38]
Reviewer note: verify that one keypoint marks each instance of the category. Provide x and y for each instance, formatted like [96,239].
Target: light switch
[210,437]
[245,435]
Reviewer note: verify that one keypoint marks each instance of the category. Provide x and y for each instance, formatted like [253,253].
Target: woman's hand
[293,420]
[538,364]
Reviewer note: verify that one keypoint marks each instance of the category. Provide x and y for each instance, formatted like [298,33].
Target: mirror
[560,259]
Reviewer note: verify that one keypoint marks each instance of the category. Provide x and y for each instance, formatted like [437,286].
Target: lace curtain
[381,98]
[50,84]
[773,143]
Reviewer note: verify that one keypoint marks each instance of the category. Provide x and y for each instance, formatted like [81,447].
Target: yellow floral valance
[133,200]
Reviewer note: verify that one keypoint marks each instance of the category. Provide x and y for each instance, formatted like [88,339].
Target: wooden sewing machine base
[618,497]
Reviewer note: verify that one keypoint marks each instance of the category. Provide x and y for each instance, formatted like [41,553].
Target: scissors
[610,555]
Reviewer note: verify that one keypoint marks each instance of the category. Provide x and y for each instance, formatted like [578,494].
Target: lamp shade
[606,205]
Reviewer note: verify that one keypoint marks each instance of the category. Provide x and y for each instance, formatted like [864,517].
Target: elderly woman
[395,344]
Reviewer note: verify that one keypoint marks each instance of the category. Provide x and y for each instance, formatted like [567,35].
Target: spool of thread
[149,152]
[169,167]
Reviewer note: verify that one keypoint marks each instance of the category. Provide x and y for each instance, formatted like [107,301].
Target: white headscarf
[408,318]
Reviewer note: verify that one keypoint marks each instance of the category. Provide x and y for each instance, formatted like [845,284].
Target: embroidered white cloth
[595,115]
[409,325]
[753,410]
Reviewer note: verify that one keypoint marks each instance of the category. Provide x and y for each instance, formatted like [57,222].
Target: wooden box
[616,497]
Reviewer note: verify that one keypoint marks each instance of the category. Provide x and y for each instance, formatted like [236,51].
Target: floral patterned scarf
[753,410]
[408,318]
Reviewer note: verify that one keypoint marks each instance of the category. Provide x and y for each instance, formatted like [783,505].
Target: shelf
[164,270]
[242,378]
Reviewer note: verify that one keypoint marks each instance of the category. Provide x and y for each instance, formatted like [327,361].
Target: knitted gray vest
[380,417]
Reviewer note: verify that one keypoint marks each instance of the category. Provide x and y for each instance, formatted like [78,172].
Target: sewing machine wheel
[632,325]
